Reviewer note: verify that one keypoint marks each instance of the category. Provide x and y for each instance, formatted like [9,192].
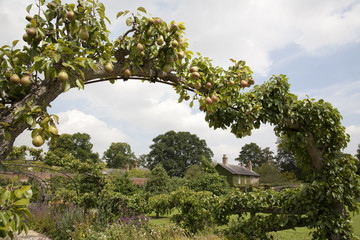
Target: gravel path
[32,235]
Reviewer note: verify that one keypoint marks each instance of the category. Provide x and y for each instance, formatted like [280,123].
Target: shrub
[195,208]
[211,182]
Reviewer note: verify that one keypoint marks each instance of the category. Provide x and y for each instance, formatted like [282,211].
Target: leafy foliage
[211,182]
[270,174]
[287,162]
[118,155]
[158,182]
[63,52]
[77,144]
[13,208]
[177,151]
[251,152]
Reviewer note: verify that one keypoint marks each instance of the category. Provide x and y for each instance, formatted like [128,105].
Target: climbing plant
[67,46]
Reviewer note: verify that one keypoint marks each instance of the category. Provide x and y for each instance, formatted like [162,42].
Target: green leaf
[141,9]
[112,81]
[28,8]
[3,218]
[68,65]
[57,57]
[67,86]
[21,191]
[37,58]
[15,42]
[17,221]
[119,14]
[22,201]
[6,228]
[29,120]
[80,83]
[129,21]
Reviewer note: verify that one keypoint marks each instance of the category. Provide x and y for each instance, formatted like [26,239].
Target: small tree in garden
[158,182]
[67,46]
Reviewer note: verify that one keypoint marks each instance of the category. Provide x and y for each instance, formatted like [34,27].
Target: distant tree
[270,173]
[141,160]
[158,182]
[287,162]
[77,144]
[177,151]
[206,166]
[17,153]
[118,155]
[121,184]
[267,155]
[251,152]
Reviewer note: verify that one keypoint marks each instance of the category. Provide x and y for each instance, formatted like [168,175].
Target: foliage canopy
[63,52]
[177,152]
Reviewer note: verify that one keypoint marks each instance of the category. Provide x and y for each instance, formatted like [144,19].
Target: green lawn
[297,234]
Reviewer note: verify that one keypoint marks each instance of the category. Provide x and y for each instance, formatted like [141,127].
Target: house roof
[238,170]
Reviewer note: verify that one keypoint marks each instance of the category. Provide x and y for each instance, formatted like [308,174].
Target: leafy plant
[13,209]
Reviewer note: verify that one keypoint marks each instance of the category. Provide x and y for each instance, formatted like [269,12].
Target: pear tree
[67,46]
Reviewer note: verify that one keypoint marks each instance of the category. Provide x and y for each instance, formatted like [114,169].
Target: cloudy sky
[315,43]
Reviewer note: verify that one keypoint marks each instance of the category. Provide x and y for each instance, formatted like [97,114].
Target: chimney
[242,164]
[250,165]
[225,159]
[135,165]
[126,167]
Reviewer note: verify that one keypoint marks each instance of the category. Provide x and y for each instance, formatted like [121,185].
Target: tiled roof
[238,170]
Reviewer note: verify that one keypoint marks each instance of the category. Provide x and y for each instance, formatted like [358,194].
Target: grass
[356,224]
[302,233]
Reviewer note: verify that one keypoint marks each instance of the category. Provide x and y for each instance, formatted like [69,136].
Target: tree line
[179,153]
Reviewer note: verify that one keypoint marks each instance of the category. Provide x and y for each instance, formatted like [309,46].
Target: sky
[315,43]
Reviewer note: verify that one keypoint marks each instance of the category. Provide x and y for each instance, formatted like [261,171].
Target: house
[237,175]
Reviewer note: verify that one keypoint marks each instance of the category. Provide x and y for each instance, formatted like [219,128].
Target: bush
[158,182]
[209,182]
[176,182]
[195,208]
[270,174]
[160,204]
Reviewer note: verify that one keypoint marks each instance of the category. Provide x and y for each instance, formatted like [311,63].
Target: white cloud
[248,30]
[73,121]
[354,132]
[12,20]
[343,95]
[102,135]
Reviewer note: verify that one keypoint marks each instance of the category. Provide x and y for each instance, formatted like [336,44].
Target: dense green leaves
[251,152]
[77,144]
[13,208]
[158,182]
[153,50]
[118,155]
[177,151]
